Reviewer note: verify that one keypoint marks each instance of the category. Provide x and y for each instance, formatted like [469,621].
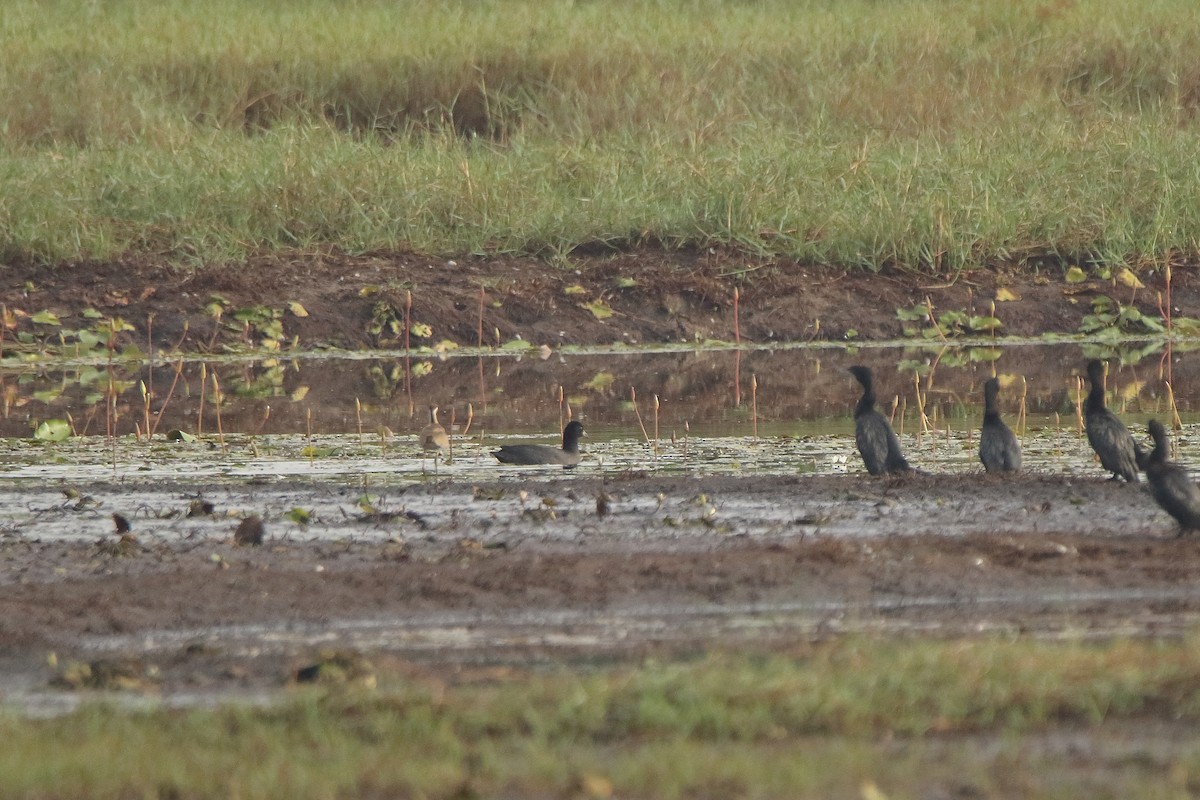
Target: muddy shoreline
[526,568]
[676,565]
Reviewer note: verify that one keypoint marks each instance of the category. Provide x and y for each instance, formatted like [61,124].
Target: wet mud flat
[547,566]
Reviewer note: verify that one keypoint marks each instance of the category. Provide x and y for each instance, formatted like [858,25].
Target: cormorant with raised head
[999,449]
[1107,435]
[1170,483]
[877,442]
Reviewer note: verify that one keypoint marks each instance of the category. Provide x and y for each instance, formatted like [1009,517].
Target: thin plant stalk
[150,355]
[1079,405]
[754,404]
[1023,407]
[921,415]
[262,423]
[470,419]
[638,414]
[170,394]
[145,408]
[1176,422]
[308,432]
[217,405]
[200,411]
[933,319]
[737,378]
[656,405]
[408,350]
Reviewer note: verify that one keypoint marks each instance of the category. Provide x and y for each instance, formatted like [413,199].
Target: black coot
[529,454]
[877,442]
[1170,483]
[999,449]
[1107,435]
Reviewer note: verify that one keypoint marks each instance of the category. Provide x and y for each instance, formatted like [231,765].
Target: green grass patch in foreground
[920,133]
[824,721]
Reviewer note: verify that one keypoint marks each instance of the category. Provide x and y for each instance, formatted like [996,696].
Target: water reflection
[763,393]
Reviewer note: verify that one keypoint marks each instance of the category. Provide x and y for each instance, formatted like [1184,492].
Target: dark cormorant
[877,442]
[1107,435]
[1170,483]
[999,449]
[528,454]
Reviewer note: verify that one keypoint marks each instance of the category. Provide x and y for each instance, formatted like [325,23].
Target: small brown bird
[249,531]
[433,436]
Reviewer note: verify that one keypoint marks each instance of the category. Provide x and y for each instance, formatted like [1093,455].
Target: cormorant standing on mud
[1107,435]
[877,442]
[1170,483]
[999,449]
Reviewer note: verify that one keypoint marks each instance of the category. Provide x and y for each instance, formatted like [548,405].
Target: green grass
[924,134]
[910,717]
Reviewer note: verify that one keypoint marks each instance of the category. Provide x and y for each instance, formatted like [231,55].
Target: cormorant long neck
[866,403]
[1159,454]
[991,414]
[1095,398]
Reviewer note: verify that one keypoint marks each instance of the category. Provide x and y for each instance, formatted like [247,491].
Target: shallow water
[768,411]
[699,392]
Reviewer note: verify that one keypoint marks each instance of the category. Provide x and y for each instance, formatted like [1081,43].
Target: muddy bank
[529,570]
[643,296]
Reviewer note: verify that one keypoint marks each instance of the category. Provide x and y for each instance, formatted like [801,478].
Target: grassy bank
[858,134]
[911,719]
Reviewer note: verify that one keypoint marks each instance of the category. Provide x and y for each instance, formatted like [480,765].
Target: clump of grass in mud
[661,729]
[896,134]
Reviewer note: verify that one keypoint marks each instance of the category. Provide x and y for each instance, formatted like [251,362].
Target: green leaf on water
[91,313]
[1186,326]
[45,318]
[180,436]
[575,289]
[53,430]
[625,283]
[984,354]
[984,323]
[300,515]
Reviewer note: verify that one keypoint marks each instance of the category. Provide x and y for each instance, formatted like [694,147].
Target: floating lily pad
[53,430]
